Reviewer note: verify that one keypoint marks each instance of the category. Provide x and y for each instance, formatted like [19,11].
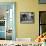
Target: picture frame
[42,1]
[27,17]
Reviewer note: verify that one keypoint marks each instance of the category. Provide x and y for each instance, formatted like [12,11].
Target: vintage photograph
[26,17]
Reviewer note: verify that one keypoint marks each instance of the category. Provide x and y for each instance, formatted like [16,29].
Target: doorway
[42,22]
[7,21]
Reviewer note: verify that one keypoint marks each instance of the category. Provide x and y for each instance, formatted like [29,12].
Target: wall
[27,30]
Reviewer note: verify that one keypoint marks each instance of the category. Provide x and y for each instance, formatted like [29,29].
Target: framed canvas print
[7,20]
[42,1]
[26,17]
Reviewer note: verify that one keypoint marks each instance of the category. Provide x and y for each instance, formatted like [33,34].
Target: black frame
[39,24]
[41,2]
